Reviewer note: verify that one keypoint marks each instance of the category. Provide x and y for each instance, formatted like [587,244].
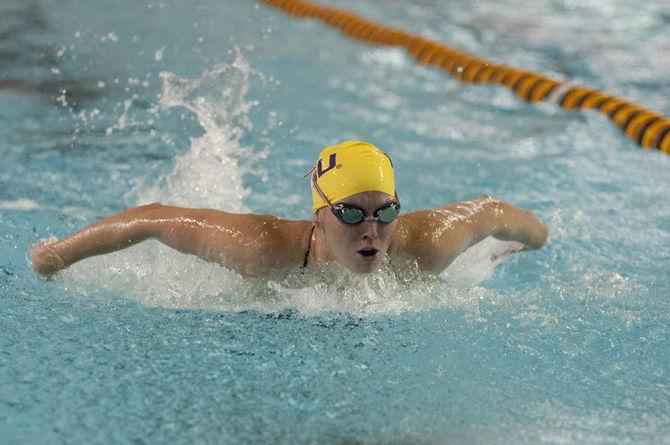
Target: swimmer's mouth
[368,252]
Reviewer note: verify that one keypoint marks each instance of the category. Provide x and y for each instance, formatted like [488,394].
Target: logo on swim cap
[362,167]
[331,164]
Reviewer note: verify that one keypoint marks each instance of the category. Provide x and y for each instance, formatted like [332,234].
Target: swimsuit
[309,247]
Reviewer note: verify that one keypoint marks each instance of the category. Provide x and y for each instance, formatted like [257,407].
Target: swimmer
[356,224]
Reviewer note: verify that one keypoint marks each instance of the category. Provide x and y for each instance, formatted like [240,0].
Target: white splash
[477,263]
[386,291]
[208,175]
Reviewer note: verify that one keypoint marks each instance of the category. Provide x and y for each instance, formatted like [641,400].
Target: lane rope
[647,128]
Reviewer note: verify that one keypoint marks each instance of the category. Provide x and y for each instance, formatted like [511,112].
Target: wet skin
[264,245]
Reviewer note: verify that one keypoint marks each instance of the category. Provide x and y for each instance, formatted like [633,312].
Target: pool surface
[225,104]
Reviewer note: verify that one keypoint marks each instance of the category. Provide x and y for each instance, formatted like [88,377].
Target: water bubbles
[62,98]
[111,36]
[158,55]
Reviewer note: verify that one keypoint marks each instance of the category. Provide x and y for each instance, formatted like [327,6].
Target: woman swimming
[356,224]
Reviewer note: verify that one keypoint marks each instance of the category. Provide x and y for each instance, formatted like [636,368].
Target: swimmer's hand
[45,260]
[515,224]
[486,216]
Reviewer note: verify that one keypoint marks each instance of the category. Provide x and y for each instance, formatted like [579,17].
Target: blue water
[225,104]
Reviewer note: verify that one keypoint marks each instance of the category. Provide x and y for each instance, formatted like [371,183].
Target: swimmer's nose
[370,229]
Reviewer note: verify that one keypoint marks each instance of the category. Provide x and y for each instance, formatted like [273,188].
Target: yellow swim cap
[348,168]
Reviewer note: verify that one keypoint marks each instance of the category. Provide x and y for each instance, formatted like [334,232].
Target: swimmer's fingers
[45,260]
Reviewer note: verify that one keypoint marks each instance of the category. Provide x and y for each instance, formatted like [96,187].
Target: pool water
[225,104]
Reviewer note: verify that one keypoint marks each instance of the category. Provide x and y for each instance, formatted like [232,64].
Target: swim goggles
[351,215]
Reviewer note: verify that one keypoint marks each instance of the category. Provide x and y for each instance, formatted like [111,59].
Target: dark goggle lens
[388,214]
[351,216]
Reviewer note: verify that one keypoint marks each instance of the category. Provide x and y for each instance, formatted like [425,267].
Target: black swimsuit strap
[309,247]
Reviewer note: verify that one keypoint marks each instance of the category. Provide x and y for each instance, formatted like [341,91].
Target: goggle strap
[309,172]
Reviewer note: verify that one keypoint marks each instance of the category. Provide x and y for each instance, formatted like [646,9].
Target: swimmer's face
[359,247]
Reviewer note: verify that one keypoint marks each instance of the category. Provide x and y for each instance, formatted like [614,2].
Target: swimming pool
[224,104]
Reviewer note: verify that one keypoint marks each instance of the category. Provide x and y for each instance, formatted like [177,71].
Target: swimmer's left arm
[436,237]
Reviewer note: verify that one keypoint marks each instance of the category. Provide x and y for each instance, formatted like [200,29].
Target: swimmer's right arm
[238,241]
[108,235]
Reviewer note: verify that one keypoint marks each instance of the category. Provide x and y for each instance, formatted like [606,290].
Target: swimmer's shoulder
[430,228]
[411,234]
[264,242]
[286,241]
[425,236]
